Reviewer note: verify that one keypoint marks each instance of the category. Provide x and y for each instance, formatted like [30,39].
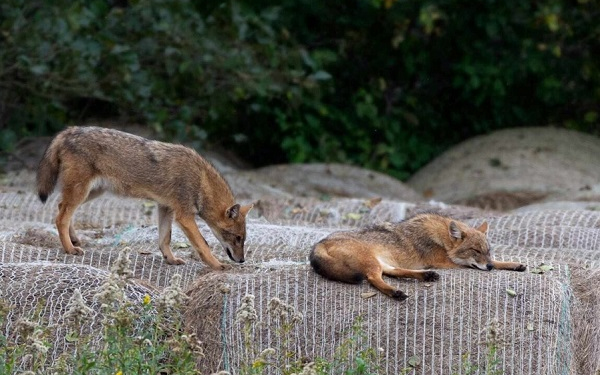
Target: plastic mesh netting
[440,323]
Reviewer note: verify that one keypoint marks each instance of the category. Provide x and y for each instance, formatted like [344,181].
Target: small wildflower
[146,300]
[119,372]
[77,309]
[246,313]
[309,369]
[284,311]
[25,327]
[172,296]
[113,288]
[493,333]
[121,266]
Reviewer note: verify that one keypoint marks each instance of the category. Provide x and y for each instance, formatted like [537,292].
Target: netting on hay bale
[104,211]
[46,288]
[548,236]
[440,323]
[333,213]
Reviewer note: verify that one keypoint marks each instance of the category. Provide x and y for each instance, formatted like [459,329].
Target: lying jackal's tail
[332,268]
[47,173]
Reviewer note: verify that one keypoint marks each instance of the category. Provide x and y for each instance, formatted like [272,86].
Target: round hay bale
[47,288]
[511,168]
[332,213]
[317,181]
[441,323]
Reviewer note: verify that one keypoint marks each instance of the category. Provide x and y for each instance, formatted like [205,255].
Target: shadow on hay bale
[440,322]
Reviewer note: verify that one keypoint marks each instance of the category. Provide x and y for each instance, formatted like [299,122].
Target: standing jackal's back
[88,161]
[404,249]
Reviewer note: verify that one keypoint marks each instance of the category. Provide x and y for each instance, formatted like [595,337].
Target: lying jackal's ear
[455,231]
[233,212]
[245,209]
[483,227]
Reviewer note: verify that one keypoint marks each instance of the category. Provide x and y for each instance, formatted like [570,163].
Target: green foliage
[160,62]
[385,84]
[135,337]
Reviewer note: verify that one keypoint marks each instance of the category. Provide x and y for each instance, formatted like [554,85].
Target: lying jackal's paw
[430,276]
[399,295]
[520,268]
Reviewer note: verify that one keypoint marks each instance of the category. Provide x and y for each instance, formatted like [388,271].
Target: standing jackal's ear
[455,231]
[245,209]
[236,210]
[233,212]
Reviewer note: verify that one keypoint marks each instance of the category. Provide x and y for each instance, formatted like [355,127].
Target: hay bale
[511,168]
[316,181]
[587,320]
[47,288]
[440,322]
[332,213]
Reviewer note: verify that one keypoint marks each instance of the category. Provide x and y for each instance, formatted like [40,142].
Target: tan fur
[88,161]
[404,249]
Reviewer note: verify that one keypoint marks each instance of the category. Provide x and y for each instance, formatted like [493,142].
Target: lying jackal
[404,249]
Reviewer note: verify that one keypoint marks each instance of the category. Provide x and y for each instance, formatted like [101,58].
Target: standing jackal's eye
[238,239]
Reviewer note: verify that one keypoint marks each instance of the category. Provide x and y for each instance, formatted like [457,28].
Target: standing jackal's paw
[430,276]
[74,251]
[223,267]
[175,261]
[399,295]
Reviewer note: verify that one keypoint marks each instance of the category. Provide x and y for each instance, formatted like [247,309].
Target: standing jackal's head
[230,230]
[470,246]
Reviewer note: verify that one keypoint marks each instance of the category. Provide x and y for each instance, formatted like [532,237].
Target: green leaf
[39,69]
[414,361]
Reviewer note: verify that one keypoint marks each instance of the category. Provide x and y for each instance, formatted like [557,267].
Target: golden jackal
[88,161]
[404,249]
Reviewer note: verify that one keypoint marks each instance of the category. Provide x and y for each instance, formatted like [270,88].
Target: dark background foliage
[386,84]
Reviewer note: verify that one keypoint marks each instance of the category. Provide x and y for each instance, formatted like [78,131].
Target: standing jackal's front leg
[190,228]
[165,221]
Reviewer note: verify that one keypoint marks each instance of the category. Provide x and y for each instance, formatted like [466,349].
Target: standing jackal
[404,249]
[88,161]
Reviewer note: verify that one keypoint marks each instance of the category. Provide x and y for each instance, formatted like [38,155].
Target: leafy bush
[156,61]
[385,84]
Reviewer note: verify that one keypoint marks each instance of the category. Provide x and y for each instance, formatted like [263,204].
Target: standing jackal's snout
[231,232]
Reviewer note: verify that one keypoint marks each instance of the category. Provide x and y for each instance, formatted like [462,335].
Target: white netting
[42,290]
[439,323]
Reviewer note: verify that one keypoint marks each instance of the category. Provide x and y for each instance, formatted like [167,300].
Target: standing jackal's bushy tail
[47,174]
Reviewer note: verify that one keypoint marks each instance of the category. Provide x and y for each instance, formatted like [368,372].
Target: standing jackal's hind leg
[165,221]
[72,196]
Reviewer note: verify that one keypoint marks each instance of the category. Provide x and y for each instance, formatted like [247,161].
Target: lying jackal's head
[470,246]
[230,230]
